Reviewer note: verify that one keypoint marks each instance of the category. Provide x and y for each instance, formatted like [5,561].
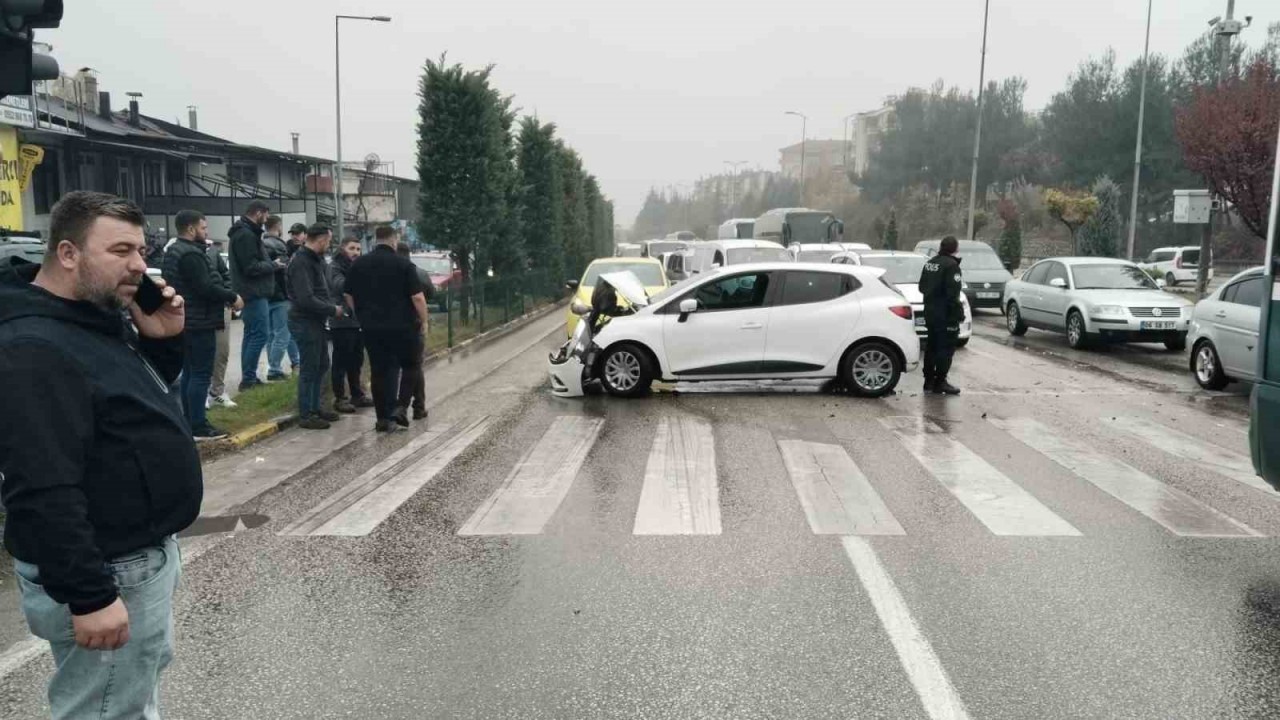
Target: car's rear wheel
[1207,368]
[1077,337]
[625,371]
[1178,343]
[1170,280]
[1013,320]
[871,370]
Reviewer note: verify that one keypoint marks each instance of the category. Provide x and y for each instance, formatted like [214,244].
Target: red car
[444,274]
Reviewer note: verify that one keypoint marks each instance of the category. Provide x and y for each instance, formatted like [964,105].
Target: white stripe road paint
[680,494]
[836,496]
[369,481]
[1211,457]
[1001,505]
[368,512]
[1174,509]
[533,491]
[928,677]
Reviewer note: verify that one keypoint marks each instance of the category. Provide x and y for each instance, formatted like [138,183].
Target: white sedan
[1096,299]
[902,270]
[776,320]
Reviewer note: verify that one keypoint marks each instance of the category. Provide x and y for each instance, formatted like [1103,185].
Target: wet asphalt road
[1132,614]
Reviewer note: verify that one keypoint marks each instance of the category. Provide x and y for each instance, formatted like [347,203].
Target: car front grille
[1149,312]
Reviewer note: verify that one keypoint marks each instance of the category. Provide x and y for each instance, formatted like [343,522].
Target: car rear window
[814,287]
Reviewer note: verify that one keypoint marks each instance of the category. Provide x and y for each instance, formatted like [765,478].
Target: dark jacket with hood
[309,298]
[192,273]
[940,284]
[253,275]
[278,249]
[96,456]
[338,270]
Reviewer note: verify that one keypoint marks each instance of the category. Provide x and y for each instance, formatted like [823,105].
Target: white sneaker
[224,400]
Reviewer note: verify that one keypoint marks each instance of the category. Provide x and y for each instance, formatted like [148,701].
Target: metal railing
[478,306]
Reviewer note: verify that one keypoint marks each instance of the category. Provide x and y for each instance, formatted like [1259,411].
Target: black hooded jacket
[253,274]
[96,457]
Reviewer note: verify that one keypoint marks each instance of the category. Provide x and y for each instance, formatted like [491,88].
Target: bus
[736,229]
[789,226]
[1264,403]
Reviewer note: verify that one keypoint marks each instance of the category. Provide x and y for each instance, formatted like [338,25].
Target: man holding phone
[99,471]
[188,269]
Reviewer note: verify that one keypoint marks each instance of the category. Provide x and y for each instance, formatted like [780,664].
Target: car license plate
[1157,324]
[988,295]
[919,321]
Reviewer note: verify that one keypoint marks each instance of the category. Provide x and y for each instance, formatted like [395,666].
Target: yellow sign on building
[10,180]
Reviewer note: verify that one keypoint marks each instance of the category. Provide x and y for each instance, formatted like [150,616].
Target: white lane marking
[361,486]
[1001,505]
[928,677]
[1211,457]
[680,494]
[1174,509]
[533,491]
[370,511]
[836,496]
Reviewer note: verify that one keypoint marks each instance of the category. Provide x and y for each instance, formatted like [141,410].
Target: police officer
[940,283]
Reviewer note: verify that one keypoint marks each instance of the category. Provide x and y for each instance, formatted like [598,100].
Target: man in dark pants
[348,345]
[311,308]
[384,290]
[940,283]
[253,277]
[413,384]
[188,268]
[99,471]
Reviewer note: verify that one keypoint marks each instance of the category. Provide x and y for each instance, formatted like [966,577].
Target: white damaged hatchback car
[774,321]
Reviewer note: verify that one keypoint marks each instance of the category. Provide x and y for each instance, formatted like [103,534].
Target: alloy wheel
[1206,365]
[622,370]
[1075,330]
[1012,316]
[872,370]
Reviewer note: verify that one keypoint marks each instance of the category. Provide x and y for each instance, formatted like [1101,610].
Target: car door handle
[752,326]
[1220,315]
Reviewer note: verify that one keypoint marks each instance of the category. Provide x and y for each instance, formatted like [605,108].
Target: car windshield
[1112,276]
[434,265]
[742,256]
[649,275]
[816,256]
[980,260]
[811,227]
[898,269]
[674,289]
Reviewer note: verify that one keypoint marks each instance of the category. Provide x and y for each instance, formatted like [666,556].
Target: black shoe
[277,377]
[401,417]
[328,415]
[387,426]
[245,386]
[362,402]
[928,384]
[344,406]
[208,432]
[419,414]
[313,422]
[942,387]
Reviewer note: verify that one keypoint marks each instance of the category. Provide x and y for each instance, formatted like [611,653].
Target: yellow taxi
[648,270]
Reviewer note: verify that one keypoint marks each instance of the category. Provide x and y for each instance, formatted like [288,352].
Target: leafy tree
[1010,249]
[541,191]
[1100,234]
[891,233]
[1072,209]
[1228,135]
[577,243]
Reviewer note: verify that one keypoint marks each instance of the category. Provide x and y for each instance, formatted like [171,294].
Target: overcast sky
[651,93]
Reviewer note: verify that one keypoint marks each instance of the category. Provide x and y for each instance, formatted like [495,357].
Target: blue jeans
[119,684]
[200,349]
[281,340]
[313,343]
[256,317]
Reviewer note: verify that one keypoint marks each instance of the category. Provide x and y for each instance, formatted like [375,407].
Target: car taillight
[902,311]
[1178,262]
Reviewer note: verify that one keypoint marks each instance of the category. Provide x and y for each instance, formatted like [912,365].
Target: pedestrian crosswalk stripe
[923,668]
[1211,457]
[836,496]
[1172,508]
[998,502]
[680,494]
[368,482]
[539,482]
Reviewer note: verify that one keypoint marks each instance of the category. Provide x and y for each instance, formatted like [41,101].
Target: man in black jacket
[348,344]
[253,277]
[279,340]
[99,471]
[941,283]
[309,312]
[188,270]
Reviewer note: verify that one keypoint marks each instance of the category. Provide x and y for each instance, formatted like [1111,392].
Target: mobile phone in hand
[150,297]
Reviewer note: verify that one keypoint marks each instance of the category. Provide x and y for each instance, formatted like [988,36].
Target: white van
[741,252]
[737,229]
[1175,264]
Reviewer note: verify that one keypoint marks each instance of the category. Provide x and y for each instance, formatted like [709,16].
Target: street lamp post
[804,140]
[1137,151]
[337,95]
[977,134]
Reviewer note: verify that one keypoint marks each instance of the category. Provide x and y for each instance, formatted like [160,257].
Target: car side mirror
[688,306]
[1058,283]
[571,285]
[579,308]
[1008,266]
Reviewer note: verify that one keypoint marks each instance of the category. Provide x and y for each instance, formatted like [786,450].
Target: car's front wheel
[625,371]
[1170,280]
[871,370]
[1207,368]
[1013,320]
[1077,336]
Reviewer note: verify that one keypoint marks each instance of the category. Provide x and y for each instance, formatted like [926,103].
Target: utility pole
[1223,31]
[1137,151]
[977,133]
[734,184]
[337,102]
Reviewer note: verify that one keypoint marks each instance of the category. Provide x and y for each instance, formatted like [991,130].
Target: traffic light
[19,65]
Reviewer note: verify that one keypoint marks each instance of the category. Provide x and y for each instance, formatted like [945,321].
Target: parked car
[1096,299]
[627,250]
[445,275]
[1224,331]
[740,252]
[657,248]
[26,245]
[1175,264]
[648,270]
[984,272]
[775,320]
[902,270]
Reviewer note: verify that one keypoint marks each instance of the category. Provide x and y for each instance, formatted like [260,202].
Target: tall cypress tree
[541,191]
